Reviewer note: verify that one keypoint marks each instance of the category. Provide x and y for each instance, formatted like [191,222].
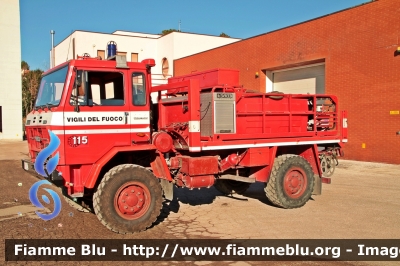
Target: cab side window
[138,89]
[104,88]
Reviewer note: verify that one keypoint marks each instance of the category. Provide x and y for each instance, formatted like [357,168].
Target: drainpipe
[52,32]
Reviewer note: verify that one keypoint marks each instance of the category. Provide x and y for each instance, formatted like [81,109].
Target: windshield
[51,88]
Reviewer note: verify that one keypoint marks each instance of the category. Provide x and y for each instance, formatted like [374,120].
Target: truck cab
[92,106]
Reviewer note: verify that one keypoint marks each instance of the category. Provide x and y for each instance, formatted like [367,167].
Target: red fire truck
[121,154]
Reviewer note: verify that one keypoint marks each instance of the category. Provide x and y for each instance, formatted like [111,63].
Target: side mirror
[79,89]
[78,83]
[75,90]
[78,78]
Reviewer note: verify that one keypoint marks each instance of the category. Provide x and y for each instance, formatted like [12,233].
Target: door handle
[126,117]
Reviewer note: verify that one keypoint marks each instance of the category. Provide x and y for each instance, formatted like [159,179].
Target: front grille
[38,139]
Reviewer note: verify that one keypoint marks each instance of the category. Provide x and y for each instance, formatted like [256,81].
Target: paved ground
[362,202]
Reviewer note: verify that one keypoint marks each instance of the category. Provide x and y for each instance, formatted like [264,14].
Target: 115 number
[80,140]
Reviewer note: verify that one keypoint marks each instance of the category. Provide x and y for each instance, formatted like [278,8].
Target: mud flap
[167,188]
[317,185]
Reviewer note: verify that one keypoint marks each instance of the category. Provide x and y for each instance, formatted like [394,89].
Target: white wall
[165,50]
[171,46]
[179,44]
[64,50]
[188,44]
[10,70]
[90,42]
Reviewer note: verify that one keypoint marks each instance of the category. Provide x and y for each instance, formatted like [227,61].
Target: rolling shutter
[309,79]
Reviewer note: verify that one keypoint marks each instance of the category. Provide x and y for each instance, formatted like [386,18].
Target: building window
[165,67]
[134,57]
[101,54]
[122,53]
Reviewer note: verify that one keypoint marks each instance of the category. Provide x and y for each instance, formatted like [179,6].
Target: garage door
[308,79]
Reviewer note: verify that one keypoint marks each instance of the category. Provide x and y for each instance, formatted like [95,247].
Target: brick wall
[358,47]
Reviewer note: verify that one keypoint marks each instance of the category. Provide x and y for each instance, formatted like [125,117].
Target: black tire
[128,199]
[228,187]
[280,189]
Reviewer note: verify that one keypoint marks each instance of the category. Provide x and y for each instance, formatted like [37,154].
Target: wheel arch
[128,199]
[113,158]
[310,153]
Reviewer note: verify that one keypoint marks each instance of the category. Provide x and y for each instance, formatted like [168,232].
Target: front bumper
[28,166]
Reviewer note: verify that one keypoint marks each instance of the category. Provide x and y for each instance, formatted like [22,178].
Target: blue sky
[237,18]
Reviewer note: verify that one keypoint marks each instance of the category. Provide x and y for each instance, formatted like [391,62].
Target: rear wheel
[291,182]
[228,187]
[128,199]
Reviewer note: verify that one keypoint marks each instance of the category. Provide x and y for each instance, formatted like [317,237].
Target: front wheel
[291,182]
[128,199]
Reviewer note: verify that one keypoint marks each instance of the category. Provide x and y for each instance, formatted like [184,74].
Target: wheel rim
[295,182]
[323,164]
[329,167]
[132,200]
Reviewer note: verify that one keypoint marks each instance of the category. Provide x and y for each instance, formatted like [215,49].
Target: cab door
[140,108]
[97,121]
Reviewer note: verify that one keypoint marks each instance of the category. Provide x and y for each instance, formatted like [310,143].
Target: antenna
[69,45]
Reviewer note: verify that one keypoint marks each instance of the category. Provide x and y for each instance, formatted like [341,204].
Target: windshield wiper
[38,107]
[48,105]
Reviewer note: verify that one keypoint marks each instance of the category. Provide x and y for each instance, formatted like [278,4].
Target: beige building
[10,71]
